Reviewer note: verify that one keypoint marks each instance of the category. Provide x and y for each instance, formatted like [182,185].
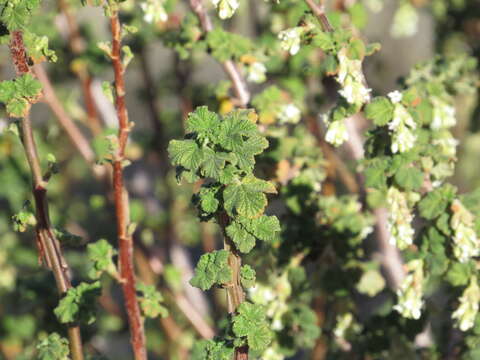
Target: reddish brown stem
[49,246]
[137,334]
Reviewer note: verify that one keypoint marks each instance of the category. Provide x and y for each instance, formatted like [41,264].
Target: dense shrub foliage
[239,179]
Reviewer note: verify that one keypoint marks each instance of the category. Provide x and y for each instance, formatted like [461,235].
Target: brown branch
[49,246]
[125,240]
[77,46]
[390,256]
[239,84]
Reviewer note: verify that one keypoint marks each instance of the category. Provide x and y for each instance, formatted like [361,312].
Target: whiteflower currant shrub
[220,152]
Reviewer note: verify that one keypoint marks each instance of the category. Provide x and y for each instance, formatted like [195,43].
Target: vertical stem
[137,336]
[49,246]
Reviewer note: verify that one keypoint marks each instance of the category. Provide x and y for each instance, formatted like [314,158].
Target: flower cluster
[290,39]
[468,308]
[410,293]
[289,114]
[337,132]
[402,125]
[399,219]
[154,11]
[443,114]
[256,72]
[466,243]
[226,8]
[350,77]
[405,21]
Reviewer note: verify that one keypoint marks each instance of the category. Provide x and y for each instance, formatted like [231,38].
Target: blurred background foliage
[300,279]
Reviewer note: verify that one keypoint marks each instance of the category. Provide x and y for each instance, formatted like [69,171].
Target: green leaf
[185,153]
[53,347]
[409,178]
[212,350]
[245,155]
[150,301]
[17,107]
[208,200]
[242,239]
[324,41]
[16,14]
[226,46]
[247,276]
[264,227]
[371,283]
[251,323]
[459,274]
[212,269]
[101,255]
[7,91]
[356,49]
[375,174]
[213,163]
[247,198]
[27,86]
[435,202]
[78,305]
[203,122]
[380,111]
[233,129]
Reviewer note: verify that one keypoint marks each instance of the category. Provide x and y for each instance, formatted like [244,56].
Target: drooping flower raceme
[351,79]
[468,308]
[290,39]
[226,8]
[443,114]
[405,21]
[154,11]
[399,219]
[466,243]
[410,292]
[337,132]
[402,127]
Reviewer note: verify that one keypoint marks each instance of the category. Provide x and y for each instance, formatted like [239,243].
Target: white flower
[395,96]
[402,126]
[289,114]
[443,115]
[256,72]
[405,21]
[399,219]
[351,79]
[466,243]
[154,11]
[272,354]
[290,39]
[344,321]
[226,8]
[447,143]
[410,292]
[337,132]
[468,308]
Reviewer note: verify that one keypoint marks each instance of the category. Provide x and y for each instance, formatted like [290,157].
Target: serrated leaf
[53,347]
[375,174]
[233,129]
[380,111]
[185,153]
[7,91]
[250,323]
[203,122]
[17,107]
[435,202]
[356,49]
[27,86]
[409,178]
[150,301]
[213,163]
[212,269]
[242,239]
[246,154]
[101,255]
[212,350]
[78,304]
[247,276]
[264,227]
[247,198]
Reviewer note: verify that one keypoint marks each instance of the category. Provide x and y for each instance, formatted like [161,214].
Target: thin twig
[49,246]
[125,240]
[390,256]
[239,84]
